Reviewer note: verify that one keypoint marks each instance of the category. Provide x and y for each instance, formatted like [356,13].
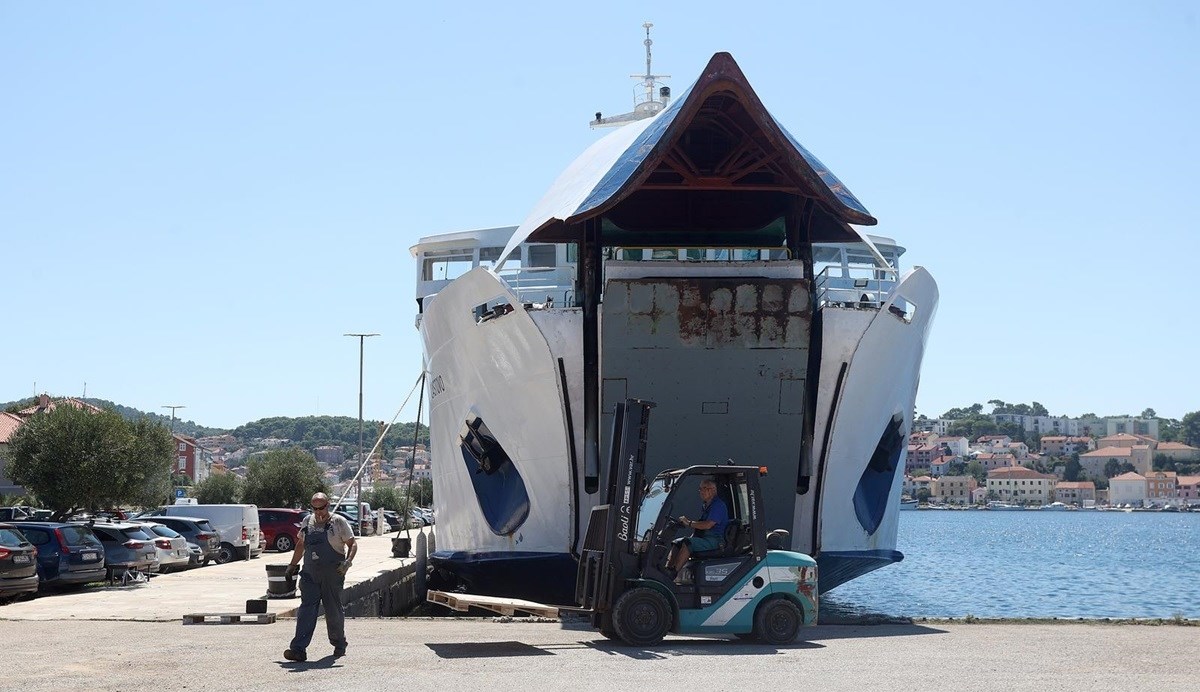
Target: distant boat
[1055,507]
[907,503]
[1003,507]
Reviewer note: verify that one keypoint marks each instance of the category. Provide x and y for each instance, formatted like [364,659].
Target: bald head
[319,501]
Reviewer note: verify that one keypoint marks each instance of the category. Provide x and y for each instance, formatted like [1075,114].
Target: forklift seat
[729,542]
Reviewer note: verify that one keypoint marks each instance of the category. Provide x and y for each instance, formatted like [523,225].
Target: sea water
[1036,564]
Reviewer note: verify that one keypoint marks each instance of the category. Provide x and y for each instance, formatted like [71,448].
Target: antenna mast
[645,106]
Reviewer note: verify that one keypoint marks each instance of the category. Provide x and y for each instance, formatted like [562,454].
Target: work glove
[292,571]
[344,567]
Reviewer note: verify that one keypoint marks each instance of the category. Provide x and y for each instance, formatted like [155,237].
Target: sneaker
[339,651]
[295,655]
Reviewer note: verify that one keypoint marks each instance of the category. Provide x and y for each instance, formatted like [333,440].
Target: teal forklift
[746,587]
[742,588]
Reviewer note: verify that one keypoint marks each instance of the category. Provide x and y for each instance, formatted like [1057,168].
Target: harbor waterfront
[1084,564]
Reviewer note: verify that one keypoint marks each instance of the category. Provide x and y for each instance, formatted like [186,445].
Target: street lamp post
[173,416]
[358,488]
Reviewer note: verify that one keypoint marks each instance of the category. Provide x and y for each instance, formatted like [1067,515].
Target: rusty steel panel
[725,359]
[710,312]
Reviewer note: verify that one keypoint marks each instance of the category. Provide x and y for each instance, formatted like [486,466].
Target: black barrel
[401,545]
[279,585]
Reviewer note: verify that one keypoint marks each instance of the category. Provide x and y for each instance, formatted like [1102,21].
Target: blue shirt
[715,511]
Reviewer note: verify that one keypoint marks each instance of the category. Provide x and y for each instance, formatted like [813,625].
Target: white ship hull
[759,361]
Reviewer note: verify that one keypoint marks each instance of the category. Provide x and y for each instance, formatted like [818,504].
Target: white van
[237,524]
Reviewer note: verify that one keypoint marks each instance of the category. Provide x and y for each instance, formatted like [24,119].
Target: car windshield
[11,539]
[78,535]
[164,531]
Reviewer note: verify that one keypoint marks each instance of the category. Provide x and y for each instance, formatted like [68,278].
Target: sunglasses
[320,507]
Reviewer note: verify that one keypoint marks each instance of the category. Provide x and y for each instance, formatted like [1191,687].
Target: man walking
[326,542]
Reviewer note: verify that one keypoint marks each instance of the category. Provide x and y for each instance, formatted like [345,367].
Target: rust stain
[720,312]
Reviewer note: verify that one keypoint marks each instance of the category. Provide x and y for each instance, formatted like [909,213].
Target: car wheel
[778,621]
[226,553]
[642,616]
[284,543]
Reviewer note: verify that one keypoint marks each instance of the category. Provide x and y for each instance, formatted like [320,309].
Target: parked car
[68,554]
[237,525]
[15,513]
[127,548]
[18,563]
[172,548]
[361,528]
[280,526]
[203,539]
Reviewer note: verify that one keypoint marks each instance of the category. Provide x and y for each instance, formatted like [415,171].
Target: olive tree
[218,489]
[283,478]
[76,459]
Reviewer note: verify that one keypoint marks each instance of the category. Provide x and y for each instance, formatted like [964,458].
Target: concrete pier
[376,585]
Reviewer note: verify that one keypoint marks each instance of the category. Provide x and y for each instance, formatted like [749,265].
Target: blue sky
[198,199]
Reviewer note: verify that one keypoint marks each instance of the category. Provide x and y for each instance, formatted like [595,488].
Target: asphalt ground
[487,654]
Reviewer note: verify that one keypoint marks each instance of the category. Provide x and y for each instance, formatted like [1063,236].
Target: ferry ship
[699,257]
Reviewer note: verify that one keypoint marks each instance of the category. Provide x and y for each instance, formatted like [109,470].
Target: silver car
[127,548]
[172,548]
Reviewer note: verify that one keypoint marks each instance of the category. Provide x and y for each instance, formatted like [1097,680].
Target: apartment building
[1127,488]
[1076,492]
[1022,485]
[956,490]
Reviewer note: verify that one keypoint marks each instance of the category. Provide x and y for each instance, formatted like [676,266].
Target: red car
[280,527]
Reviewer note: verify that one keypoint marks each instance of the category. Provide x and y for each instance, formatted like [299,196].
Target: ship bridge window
[543,256]
[489,256]
[443,266]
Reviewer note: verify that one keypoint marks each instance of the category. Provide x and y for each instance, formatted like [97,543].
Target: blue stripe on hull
[835,568]
[542,577]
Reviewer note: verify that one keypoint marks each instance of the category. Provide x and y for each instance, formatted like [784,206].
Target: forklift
[747,586]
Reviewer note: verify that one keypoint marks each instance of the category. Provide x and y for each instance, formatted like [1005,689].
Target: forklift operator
[707,532]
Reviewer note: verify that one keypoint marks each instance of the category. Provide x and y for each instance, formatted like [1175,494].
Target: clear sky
[198,199]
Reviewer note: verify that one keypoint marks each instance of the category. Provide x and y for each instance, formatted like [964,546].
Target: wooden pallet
[462,602]
[229,619]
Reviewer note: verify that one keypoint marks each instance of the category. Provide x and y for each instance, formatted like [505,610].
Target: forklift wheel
[642,616]
[778,621]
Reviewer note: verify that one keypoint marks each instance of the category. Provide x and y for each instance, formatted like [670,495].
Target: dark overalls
[320,584]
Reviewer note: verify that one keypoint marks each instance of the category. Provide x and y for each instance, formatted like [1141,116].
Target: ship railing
[542,285]
[855,286]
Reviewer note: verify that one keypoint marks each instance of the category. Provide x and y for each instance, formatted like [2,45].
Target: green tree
[282,478]
[75,459]
[387,497]
[347,472]
[421,492]
[923,495]
[1189,429]
[1112,467]
[975,469]
[219,489]
[1074,470]
[1149,413]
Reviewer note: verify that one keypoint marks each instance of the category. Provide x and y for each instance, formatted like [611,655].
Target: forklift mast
[607,557]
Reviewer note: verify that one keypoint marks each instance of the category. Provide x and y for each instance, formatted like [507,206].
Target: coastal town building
[1187,487]
[990,461]
[1135,426]
[1127,489]
[1177,451]
[191,460]
[1022,485]
[1065,446]
[9,422]
[956,490]
[912,484]
[330,454]
[1080,493]
[1141,457]
[1058,425]
[1160,485]
[1124,439]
